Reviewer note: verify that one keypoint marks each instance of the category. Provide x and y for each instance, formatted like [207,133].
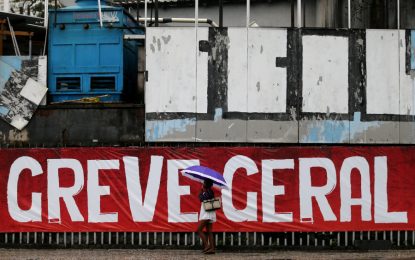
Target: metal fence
[238,240]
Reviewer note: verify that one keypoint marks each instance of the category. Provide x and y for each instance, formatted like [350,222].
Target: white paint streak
[267,84]
[382,65]
[237,69]
[325,74]
[42,75]
[202,72]
[171,66]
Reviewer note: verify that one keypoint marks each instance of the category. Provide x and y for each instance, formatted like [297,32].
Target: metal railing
[240,240]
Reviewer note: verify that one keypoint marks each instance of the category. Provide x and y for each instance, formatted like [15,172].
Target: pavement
[122,254]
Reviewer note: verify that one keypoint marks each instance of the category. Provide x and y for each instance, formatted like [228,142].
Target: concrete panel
[237,70]
[176,130]
[171,60]
[267,83]
[373,131]
[224,50]
[406,132]
[268,131]
[79,125]
[323,131]
[382,66]
[325,74]
[202,73]
[221,130]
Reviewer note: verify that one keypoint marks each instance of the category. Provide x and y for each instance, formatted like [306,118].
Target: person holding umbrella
[206,218]
[209,178]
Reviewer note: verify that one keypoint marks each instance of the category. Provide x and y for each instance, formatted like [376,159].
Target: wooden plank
[18,33]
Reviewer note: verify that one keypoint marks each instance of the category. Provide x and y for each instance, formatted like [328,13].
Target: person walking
[206,219]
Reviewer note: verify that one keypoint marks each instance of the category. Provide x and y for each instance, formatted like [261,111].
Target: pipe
[299,13]
[145,14]
[248,13]
[180,20]
[156,12]
[30,46]
[100,13]
[349,14]
[196,15]
[46,17]
[221,13]
[292,13]
[398,7]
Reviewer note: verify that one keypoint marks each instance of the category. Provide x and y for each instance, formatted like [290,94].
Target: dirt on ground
[196,254]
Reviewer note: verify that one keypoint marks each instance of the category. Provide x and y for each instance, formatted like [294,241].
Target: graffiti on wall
[279,85]
[22,88]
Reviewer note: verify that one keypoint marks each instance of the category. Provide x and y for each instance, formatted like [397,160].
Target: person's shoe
[209,252]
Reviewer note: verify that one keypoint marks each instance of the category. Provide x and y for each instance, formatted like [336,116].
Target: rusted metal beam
[18,33]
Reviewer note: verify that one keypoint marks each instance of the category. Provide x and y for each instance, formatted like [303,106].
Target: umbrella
[201,173]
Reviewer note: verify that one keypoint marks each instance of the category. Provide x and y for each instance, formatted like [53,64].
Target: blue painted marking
[4,110]
[357,127]
[156,130]
[413,50]
[218,114]
[331,131]
[5,70]
[327,131]
[14,61]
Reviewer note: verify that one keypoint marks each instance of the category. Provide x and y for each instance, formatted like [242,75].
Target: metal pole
[46,16]
[299,13]
[248,13]
[196,14]
[349,14]
[100,13]
[138,10]
[221,13]
[398,3]
[145,13]
[30,46]
[156,12]
[386,14]
[292,13]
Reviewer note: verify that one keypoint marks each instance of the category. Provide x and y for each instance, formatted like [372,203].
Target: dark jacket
[206,194]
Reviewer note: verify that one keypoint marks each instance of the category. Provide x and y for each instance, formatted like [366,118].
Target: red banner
[271,189]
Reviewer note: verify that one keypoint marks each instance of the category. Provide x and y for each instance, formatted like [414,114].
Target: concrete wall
[78,125]
[279,85]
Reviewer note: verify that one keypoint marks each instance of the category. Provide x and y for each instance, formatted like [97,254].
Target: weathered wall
[78,125]
[279,85]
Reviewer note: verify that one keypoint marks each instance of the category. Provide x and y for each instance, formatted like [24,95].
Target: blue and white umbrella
[201,173]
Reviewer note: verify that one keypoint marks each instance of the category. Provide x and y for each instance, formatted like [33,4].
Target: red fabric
[400,188]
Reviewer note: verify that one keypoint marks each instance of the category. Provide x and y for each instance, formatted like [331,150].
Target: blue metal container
[87,60]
